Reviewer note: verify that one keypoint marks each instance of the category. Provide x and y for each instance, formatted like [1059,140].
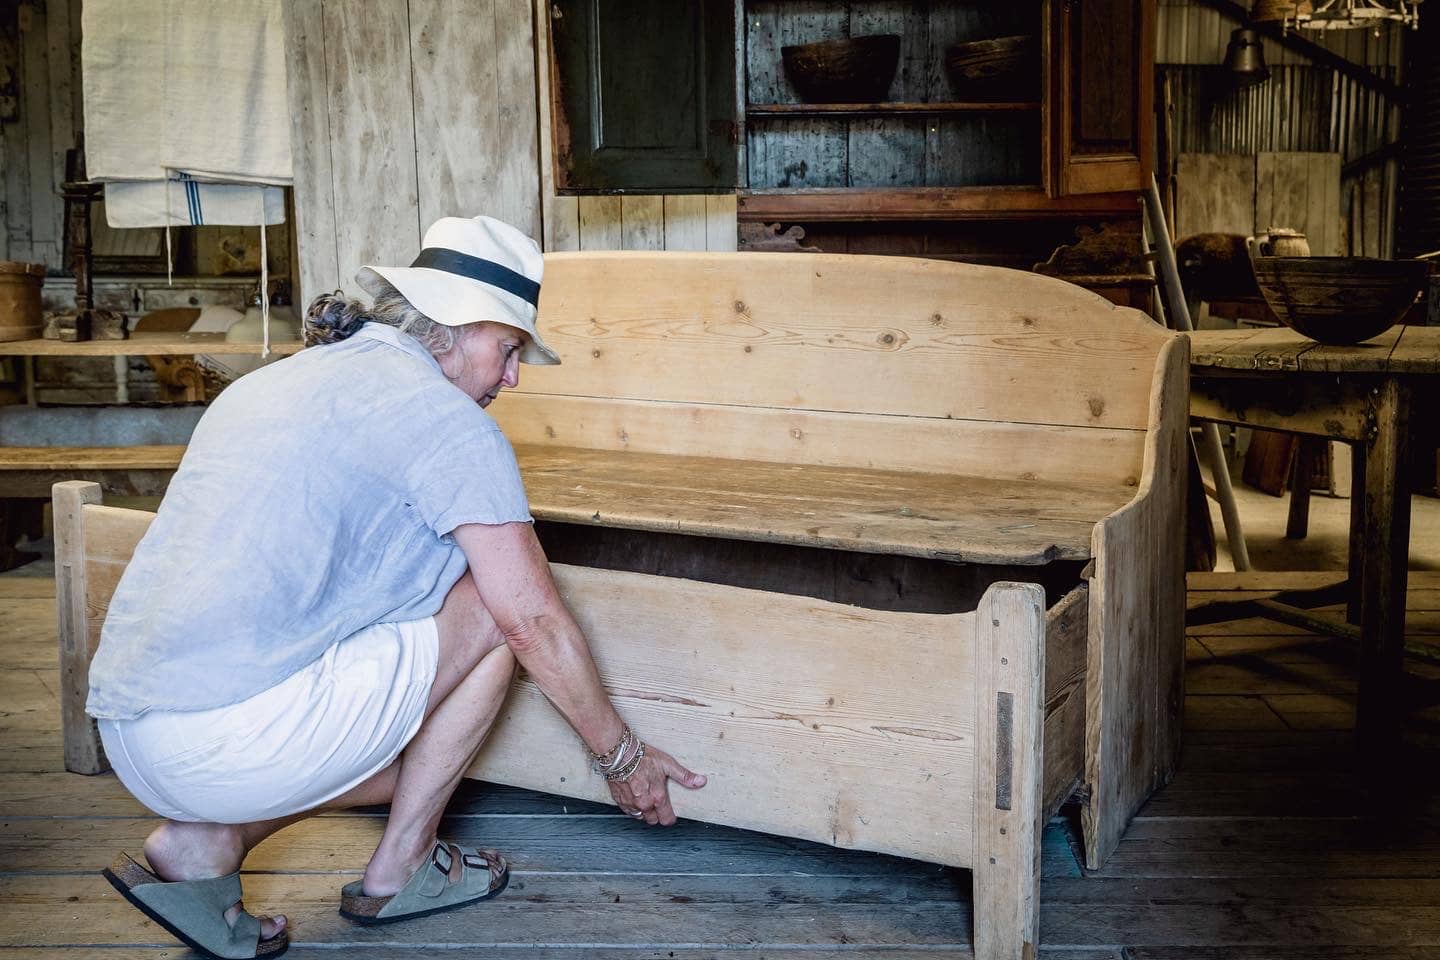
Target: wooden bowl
[1006,67]
[852,70]
[1339,300]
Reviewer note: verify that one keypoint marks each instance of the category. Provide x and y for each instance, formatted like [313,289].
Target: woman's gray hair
[332,317]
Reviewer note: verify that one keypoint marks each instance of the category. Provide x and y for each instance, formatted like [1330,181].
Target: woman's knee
[467,630]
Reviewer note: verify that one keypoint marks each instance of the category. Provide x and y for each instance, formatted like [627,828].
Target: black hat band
[485,271]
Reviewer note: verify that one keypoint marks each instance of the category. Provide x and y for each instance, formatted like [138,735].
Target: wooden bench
[890,548]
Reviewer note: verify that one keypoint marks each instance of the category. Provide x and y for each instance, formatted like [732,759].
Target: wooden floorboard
[1269,843]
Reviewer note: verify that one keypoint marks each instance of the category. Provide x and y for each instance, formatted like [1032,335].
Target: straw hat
[470,270]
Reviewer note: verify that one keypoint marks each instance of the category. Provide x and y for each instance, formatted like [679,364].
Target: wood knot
[1097,405]
[1028,321]
[887,338]
[797,433]
[550,432]
[936,320]
[749,349]
[595,354]
[740,306]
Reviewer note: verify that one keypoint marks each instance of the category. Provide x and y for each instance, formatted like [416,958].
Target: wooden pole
[1179,312]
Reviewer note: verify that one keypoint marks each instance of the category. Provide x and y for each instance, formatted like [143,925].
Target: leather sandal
[193,911]
[483,874]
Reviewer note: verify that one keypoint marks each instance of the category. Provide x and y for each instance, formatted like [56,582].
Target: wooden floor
[1265,845]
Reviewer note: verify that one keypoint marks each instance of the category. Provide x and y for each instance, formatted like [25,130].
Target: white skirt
[293,747]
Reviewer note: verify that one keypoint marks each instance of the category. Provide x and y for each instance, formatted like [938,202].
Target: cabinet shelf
[843,204]
[797,111]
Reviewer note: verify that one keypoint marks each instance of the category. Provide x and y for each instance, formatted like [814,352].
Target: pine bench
[890,548]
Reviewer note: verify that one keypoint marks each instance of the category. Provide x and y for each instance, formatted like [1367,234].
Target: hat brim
[454,301]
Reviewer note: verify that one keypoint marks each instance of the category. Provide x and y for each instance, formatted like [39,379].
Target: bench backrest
[865,361]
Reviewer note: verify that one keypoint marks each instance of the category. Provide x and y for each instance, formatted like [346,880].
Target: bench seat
[929,515]
[934,516]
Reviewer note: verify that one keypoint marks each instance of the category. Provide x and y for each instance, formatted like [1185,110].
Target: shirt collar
[403,341]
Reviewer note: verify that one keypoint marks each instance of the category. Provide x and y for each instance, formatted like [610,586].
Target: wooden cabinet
[1102,127]
[1070,142]
[645,95]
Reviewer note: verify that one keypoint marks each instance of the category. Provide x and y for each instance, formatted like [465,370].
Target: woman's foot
[388,871]
[199,851]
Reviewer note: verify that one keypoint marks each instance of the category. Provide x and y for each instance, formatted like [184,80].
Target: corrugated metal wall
[1302,107]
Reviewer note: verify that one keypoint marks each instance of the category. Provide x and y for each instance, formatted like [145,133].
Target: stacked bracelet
[622,760]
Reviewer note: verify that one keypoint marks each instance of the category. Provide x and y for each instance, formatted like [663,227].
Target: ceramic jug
[1279,242]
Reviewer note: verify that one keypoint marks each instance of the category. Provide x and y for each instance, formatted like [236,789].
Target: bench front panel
[815,720]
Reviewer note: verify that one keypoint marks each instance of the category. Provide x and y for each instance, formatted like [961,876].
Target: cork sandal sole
[365,910]
[125,875]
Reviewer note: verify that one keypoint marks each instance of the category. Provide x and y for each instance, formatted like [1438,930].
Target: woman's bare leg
[472,677]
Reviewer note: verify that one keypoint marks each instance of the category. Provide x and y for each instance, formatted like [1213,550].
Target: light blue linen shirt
[317,497]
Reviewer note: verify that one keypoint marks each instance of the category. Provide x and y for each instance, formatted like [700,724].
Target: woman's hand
[646,793]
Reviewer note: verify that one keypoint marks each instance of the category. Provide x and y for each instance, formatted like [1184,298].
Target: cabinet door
[1102,95]
[645,95]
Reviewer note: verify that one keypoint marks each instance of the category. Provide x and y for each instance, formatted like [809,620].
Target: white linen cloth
[190,203]
[186,86]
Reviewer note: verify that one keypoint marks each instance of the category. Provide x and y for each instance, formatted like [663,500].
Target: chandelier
[1337,14]
[1357,14]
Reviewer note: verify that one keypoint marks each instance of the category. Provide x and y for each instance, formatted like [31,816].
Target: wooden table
[1364,395]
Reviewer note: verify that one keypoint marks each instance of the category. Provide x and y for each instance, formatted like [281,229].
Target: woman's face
[486,359]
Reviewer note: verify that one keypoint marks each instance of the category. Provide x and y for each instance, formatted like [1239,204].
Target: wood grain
[1094,456]
[1135,674]
[473,69]
[310,148]
[806,727]
[1009,677]
[1067,631]
[843,333]
[83,752]
[376,193]
[958,518]
[1215,193]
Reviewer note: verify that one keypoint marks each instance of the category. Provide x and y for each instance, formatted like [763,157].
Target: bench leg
[83,753]
[1009,780]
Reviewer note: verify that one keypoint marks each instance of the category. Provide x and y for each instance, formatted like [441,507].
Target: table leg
[1357,529]
[1383,559]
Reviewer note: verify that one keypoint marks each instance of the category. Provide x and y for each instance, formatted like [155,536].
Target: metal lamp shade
[1245,58]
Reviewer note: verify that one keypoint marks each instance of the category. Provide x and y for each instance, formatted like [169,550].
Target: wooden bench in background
[891,548]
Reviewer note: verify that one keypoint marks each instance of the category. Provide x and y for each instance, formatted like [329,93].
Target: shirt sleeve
[472,479]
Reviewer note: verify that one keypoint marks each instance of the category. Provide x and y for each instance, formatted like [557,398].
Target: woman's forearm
[554,653]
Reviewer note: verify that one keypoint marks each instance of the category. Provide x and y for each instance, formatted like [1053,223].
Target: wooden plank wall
[1239,193]
[403,113]
[628,222]
[45,40]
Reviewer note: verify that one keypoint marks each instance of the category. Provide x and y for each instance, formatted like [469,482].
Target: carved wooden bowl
[1001,68]
[851,70]
[1339,300]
